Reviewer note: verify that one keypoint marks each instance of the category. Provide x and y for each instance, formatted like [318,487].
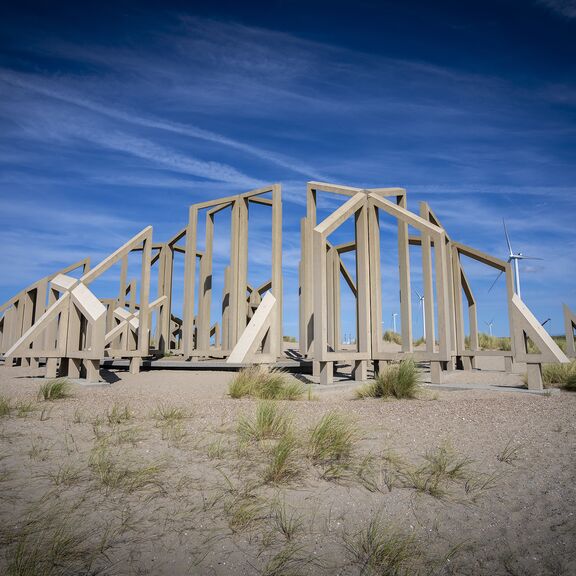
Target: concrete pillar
[326,372]
[360,370]
[534,376]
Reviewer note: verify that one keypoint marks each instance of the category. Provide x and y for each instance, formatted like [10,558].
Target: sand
[194,500]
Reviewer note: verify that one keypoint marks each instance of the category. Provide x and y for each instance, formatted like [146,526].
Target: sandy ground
[188,497]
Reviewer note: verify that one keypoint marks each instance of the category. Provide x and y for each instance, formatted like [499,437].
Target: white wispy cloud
[47,88]
[566,8]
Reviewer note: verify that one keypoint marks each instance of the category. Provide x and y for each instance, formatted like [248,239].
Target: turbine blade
[496,280]
[418,294]
[528,258]
[507,237]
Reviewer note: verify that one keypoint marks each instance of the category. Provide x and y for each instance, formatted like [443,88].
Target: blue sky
[119,117]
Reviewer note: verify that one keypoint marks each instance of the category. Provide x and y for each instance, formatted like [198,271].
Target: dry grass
[382,549]
[391,336]
[400,380]
[256,382]
[509,453]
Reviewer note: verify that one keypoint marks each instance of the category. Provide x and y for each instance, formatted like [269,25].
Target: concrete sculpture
[61,320]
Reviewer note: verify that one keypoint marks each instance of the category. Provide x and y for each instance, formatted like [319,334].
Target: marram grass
[398,380]
[257,383]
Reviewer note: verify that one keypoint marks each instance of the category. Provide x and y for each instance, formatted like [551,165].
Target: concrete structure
[61,319]
[445,286]
[569,326]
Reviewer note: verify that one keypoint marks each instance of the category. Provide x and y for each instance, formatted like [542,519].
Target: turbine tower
[489,324]
[421,300]
[514,258]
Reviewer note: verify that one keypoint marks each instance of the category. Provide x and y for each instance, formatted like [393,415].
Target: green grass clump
[563,375]
[283,463]
[332,439]
[5,406]
[54,389]
[268,422]
[255,382]
[382,549]
[399,380]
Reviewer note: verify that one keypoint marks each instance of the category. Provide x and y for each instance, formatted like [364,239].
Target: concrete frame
[74,324]
[20,312]
[319,274]
[59,318]
[238,299]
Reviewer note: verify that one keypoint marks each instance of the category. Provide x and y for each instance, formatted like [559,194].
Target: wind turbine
[489,324]
[514,258]
[394,320]
[421,299]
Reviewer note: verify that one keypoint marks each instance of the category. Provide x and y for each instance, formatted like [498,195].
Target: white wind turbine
[489,324]
[514,258]
[421,299]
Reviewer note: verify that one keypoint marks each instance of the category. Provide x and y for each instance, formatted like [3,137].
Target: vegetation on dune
[54,389]
[332,439]
[562,375]
[400,380]
[382,549]
[268,422]
[391,336]
[256,382]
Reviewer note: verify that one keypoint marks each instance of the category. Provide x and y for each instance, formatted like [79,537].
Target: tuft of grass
[54,389]
[441,465]
[445,462]
[244,511]
[269,422]
[332,439]
[477,484]
[288,561]
[283,465]
[399,380]
[509,453]
[118,414]
[255,382]
[286,520]
[24,408]
[5,406]
[169,413]
[382,549]
[114,476]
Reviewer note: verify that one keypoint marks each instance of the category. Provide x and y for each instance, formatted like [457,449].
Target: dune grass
[169,413]
[55,390]
[400,380]
[380,548]
[5,406]
[391,336]
[268,422]
[562,375]
[332,439]
[257,383]
[118,414]
[283,462]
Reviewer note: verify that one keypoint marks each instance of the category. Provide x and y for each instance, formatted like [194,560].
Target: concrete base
[326,373]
